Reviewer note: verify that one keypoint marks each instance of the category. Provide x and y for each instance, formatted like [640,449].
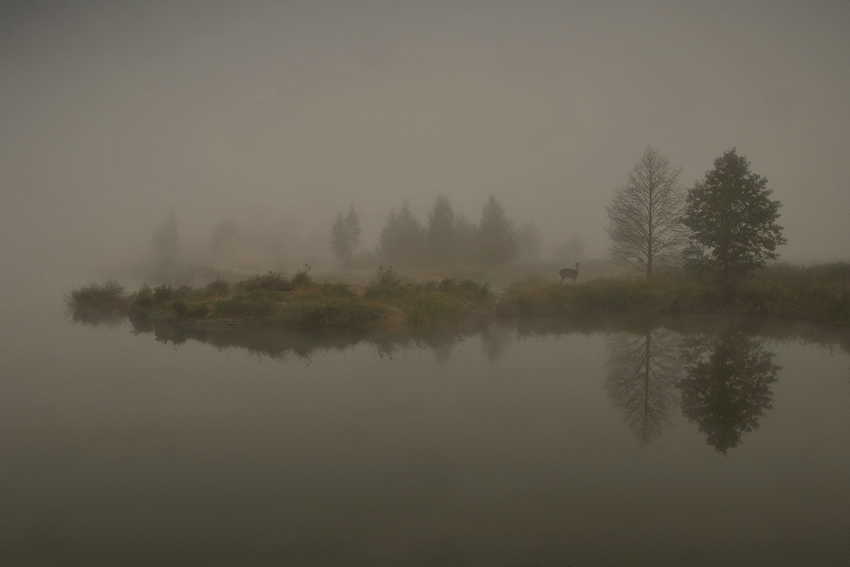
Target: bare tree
[645,215]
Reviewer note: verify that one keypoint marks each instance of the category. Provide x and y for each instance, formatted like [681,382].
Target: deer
[568,273]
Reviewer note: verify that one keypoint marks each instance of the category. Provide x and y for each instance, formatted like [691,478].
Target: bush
[217,288]
[302,278]
[179,307]
[480,292]
[144,297]
[271,281]
[108,295]
[386,278]
[162,293]
[198,311]
[98,304]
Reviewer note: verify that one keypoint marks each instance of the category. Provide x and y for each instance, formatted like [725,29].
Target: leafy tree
[345,235]
[497,238]
[441,235]
[727,387]
[165,242]
[732,220]
[645,215]
[402,240]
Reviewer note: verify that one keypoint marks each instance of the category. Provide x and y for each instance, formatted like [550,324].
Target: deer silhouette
[568,273]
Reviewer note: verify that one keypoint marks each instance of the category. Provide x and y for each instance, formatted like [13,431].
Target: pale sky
[279,114]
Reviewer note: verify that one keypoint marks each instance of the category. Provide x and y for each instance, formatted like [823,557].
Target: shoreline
[391,303]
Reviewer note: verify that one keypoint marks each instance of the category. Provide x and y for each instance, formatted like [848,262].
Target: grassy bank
[276,299]
[816,293]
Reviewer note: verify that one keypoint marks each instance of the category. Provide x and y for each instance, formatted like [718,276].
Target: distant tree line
[724,225]
[445,239]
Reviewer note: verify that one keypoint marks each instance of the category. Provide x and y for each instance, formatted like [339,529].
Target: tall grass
[817,293]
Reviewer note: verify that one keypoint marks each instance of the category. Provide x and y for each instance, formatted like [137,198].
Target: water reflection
[495,340]
[716,370]
[727,387]
[109,318]
[644,370]
[282,344]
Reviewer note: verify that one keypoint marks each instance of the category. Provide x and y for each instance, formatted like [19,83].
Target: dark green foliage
[497,239]
[732,220]
[345,235]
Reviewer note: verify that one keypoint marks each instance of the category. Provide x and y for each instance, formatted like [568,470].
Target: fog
[275,116]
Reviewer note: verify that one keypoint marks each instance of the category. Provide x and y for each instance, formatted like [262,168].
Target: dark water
[675,442]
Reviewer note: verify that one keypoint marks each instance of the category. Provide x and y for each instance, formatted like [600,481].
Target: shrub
[179,307]
[271,281]
[473,289]
[386,278]
[217,288]
[162,293]
[108,295]
[97,304]
[198,311]
[302,278]
[144,297]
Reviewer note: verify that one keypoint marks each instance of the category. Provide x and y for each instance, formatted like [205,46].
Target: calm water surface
[675,442]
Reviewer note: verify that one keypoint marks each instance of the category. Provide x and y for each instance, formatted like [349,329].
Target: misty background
[272,117]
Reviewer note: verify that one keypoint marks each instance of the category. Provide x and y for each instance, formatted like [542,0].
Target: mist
[274,117]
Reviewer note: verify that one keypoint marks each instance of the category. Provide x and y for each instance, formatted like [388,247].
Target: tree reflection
[643,372]
[727,388]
